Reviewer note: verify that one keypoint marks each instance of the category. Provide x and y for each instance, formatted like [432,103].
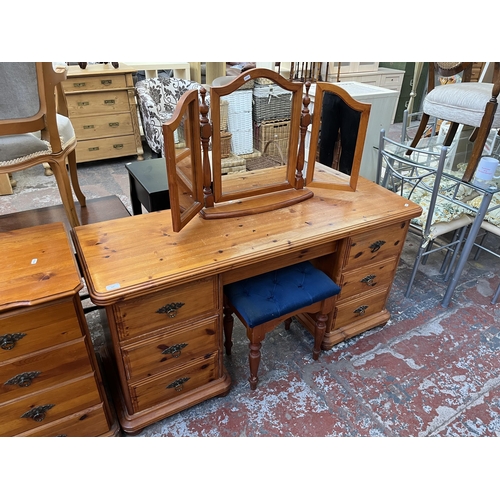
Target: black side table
[148,185]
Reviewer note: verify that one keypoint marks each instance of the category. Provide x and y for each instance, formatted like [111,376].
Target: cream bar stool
[264,301]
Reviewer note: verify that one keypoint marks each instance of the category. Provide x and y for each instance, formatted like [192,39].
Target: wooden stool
[264,301]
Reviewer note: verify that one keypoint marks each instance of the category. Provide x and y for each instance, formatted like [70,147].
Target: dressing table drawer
[367,279]
[37,328]
[87,423]
[166,308]
[169,349]
[28,413]
[360,307]
[43,369]
[375,246]
[174,383]
[91,127]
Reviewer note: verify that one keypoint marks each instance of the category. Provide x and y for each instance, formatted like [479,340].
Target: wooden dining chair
[467,103]
[262,302]
[31,130]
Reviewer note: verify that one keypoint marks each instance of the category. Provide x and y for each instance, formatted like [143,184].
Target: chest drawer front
[112,147]
[393,81]
[367,279]
[89,423]
[91,127]
[175,382]
[43,370]
[360,307]
[166,308]
[97,102]
[94,83]
[375,246]
[167,350]
[37,328]
[47,406]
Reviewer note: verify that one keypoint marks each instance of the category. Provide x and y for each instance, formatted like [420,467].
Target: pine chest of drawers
[50,383]
[101,104]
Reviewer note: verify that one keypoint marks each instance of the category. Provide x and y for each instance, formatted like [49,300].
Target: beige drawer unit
[101,104]
[50,383]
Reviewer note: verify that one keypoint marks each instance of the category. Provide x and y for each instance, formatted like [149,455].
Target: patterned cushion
[158,98]
[460,103]
[270,295]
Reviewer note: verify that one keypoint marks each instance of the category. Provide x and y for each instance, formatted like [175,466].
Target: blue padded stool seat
[261,302]
[261,298]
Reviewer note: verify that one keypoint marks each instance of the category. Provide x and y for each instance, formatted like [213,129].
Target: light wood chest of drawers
[101,104]
[50,383]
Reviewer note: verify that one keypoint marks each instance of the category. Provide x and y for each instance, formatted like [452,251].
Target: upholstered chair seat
[461,103]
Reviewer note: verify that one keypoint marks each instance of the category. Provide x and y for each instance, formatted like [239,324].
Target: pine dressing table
[159,276]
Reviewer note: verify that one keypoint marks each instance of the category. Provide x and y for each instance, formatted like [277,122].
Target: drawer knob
[375,247]
[178,384]
[94,149]
[174,350]
[83,103]
[79,84]
[118,146]
[170,309]
[106,82]
[368,280]
[8,342]
[85,127]
[23,379]
[109,102]
[360,311]
[114,124]
[38,413]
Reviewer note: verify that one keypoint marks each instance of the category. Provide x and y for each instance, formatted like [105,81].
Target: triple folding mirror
[254,149]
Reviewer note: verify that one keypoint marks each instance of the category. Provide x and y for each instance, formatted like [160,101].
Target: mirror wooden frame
[184,165]
[340,181]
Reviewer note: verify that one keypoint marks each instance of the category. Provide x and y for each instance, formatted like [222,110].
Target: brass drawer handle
[106,82]
[118,146]
[83,103]
[8,342]
[375,247]
[174,350]
[170,309]
[178,384]
[23,379]
[360,311]
[94,149]
[38,413]
[368,280]
[109,102]
[79,84]
[85,127]
[114,124]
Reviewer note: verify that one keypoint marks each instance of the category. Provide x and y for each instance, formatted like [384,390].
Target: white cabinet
[384,103]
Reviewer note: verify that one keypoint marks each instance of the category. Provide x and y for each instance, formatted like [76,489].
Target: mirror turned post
[205,134]
[305,121]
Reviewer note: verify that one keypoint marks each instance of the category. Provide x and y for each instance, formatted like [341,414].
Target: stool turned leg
[228,330]
[254,360]
[288,322]
[319,333]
